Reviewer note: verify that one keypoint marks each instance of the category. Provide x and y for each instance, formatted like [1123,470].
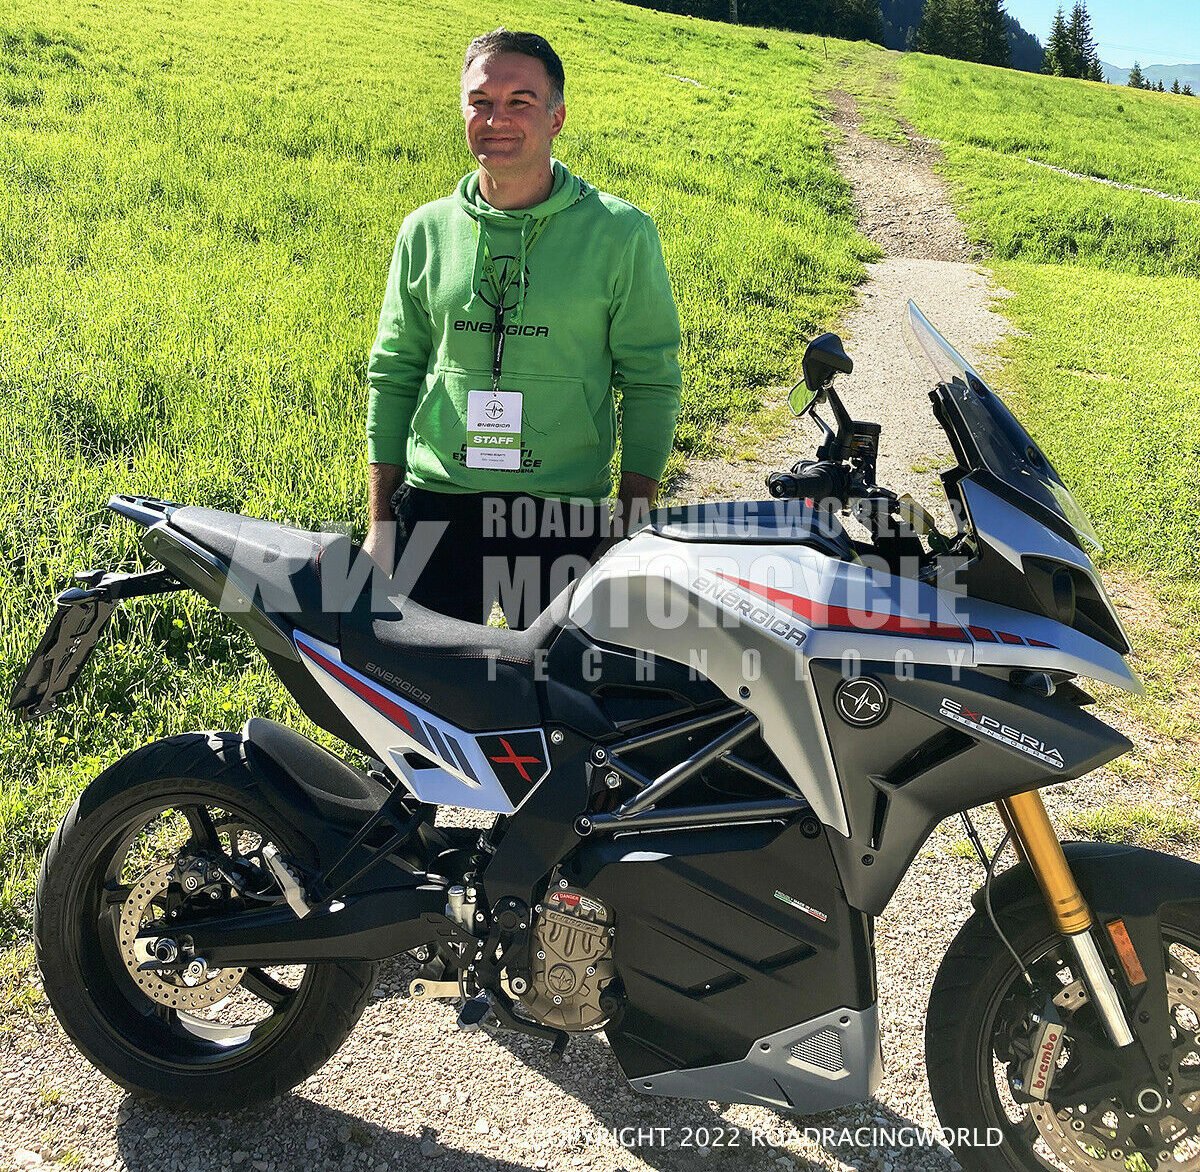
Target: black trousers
[511,548]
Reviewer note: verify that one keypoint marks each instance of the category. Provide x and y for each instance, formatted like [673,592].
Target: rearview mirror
[823,358]
[801,400]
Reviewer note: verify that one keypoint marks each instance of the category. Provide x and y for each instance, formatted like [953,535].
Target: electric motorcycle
[709,764]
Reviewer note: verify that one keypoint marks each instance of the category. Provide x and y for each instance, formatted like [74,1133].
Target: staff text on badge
[494,430]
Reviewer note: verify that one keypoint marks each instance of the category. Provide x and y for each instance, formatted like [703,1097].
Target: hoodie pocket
[559,440]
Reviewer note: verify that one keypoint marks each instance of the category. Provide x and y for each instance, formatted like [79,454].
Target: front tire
[191,795]
[977,994]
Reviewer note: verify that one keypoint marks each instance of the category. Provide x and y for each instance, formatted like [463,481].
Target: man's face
[509,127]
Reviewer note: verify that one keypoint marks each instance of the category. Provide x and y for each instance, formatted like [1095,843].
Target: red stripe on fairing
[376,699]
[982,635]
[821,614]
[1006,637]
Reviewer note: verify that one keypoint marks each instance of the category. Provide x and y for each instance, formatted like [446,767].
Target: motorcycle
[709,764]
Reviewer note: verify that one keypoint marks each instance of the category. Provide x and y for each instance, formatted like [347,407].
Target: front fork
[1025,818]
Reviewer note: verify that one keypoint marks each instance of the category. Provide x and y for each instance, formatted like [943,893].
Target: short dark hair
[527,44]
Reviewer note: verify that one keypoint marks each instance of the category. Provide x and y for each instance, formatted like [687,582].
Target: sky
[1153,32]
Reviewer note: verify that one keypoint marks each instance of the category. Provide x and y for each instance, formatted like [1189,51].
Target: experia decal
[1012,738]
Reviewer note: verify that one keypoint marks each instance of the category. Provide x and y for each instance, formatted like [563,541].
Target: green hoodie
[588,307]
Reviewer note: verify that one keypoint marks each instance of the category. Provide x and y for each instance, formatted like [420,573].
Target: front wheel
[177,826]
[977,1043]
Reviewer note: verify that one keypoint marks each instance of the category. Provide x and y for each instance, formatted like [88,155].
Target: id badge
[494,430]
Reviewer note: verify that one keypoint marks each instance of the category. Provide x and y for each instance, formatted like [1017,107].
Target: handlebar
[821,481]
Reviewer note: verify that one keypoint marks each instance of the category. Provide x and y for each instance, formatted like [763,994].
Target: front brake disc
[160,985]
[1101,1136]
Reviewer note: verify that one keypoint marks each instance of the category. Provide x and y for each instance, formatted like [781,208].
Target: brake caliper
[1037,1074]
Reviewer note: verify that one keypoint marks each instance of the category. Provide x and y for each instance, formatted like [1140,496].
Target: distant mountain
[1024,49]
[1189,74]
[902,18]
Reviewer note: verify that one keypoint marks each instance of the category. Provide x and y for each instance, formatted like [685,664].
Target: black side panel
[948,742]
[542,831]
[711,956]
[600,691]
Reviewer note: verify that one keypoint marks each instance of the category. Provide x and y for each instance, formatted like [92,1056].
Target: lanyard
[500,291]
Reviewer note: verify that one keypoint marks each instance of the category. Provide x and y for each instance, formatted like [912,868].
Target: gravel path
[407,1089]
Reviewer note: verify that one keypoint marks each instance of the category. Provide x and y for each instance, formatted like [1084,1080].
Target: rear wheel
[976,1043]
[176,826]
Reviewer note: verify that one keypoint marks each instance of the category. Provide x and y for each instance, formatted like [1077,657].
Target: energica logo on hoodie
[506,267]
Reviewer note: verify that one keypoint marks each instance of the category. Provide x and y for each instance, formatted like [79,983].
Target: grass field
[197,209]
[1106,284]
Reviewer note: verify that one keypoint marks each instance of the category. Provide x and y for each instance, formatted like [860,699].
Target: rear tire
[150,1048]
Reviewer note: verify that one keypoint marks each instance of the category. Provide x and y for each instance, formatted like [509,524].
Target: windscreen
[1003,447]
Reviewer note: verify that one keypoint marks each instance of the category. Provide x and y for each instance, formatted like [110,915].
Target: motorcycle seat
[278,565]
[482,679]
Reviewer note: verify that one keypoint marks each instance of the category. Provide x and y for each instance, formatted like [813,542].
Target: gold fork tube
[1036,841]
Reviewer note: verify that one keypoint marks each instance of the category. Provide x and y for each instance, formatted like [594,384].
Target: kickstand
[560,1046]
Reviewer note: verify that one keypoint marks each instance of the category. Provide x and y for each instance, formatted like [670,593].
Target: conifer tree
[1175,86]
[1083,50]
[931,36]
[1096,73]
[993,41]
[1187,89]
[1159,87]
[1058,49]
[1136,78]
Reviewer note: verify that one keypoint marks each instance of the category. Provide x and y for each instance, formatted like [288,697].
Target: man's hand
[380,545]
[635,498]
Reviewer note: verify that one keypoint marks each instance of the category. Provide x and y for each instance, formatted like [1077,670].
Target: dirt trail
[905,208]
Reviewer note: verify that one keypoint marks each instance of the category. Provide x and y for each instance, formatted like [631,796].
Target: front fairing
[1013,508]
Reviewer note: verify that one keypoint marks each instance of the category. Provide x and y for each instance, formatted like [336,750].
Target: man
[512,310]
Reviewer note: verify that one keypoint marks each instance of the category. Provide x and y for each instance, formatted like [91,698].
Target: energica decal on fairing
[492,771]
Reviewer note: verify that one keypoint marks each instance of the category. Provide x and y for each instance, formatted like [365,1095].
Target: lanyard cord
[501,290]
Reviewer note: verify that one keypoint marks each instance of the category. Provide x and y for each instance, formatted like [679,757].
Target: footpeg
[292,890]
[474,1012]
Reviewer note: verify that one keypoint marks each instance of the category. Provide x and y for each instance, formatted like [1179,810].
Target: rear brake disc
[161,985]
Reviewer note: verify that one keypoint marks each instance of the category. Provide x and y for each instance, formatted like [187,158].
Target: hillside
[198,211]
[1106,283]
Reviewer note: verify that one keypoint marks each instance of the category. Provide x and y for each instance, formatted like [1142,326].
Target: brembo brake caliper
[1033,1078]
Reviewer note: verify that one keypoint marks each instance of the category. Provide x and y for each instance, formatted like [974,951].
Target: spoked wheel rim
[215,1020]
[1102,1137]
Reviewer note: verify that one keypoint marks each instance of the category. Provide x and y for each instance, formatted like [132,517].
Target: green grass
[1151,826]
[1106,304]
[1102,369]
[197,210]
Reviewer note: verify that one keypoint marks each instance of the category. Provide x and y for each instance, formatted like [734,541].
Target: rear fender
[318,794]
[1136,886]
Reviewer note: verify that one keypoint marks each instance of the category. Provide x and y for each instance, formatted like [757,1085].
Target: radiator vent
[822,1050]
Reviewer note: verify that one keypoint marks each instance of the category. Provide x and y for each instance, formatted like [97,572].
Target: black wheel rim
[238,1030]
[1023,1136]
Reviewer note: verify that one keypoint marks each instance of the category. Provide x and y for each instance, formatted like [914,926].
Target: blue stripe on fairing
[462,758]
[439,745]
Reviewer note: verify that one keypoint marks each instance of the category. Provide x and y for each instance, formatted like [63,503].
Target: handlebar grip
[816,482]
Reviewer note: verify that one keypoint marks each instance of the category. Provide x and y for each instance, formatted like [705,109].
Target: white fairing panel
[751,618]
[393,725]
